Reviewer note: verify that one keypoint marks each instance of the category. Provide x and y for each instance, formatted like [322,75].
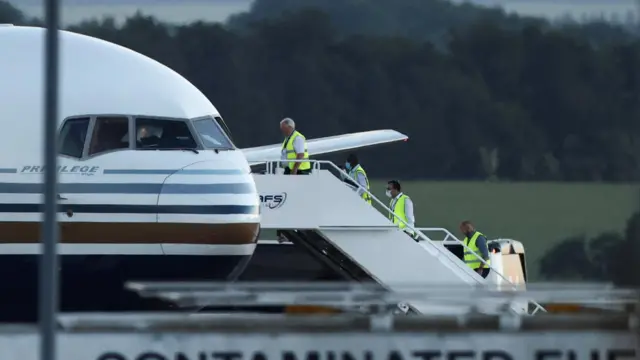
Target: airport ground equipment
[320,214]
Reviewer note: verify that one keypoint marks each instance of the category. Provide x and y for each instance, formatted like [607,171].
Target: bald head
[287,126]
[466,227]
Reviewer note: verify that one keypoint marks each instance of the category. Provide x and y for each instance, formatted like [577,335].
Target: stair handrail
[455,240]
[316,166]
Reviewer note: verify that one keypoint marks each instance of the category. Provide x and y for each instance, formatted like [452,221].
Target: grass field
[538,214]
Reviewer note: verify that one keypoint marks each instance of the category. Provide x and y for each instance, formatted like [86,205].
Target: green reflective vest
[469,258]
[291,153]
[398,209]
[354,174]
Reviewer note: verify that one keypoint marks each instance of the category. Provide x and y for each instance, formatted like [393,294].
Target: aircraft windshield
[212,135]
[161,134]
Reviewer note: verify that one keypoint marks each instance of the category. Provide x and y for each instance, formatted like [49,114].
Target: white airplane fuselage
[184,207]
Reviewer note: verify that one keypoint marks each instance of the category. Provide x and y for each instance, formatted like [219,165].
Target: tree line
[430,20]
[607,257]
[482,101]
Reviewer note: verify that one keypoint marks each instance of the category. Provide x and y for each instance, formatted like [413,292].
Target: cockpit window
[213,137]
[110,133]
[72,137]
[162,134]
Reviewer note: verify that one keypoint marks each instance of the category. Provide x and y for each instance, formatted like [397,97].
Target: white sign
[334,346]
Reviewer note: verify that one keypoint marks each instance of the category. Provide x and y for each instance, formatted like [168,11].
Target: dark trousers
[287,171]
[485,272]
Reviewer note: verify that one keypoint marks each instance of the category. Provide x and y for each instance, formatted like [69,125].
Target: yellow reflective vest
[291,152]
[469,258]
[354,175]
[398,209]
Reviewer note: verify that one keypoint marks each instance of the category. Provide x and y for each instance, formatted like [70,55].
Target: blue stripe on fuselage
[130,188]
[137,209]
[149,171]
[177,172]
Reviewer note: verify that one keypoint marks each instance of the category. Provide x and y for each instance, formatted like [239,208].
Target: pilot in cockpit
[148,136]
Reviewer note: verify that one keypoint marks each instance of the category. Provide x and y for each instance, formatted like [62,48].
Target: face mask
[347,166]
[388,193]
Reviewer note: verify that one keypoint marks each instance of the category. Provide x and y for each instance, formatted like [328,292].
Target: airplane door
[78,194]
[73,136]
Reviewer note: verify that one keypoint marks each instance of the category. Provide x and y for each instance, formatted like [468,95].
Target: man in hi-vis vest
[357,176]
[402,207]
[294,147]
[477,242]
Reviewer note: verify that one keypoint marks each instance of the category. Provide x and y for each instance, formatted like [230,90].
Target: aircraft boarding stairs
[320,213]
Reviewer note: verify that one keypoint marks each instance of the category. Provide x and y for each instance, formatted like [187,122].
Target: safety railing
[448,238]
[272,165]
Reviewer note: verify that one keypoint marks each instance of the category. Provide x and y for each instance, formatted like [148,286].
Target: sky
[179,11]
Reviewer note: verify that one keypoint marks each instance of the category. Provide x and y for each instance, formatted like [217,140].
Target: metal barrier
[316,166]
[359,294]
[246,323]
[366,307]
